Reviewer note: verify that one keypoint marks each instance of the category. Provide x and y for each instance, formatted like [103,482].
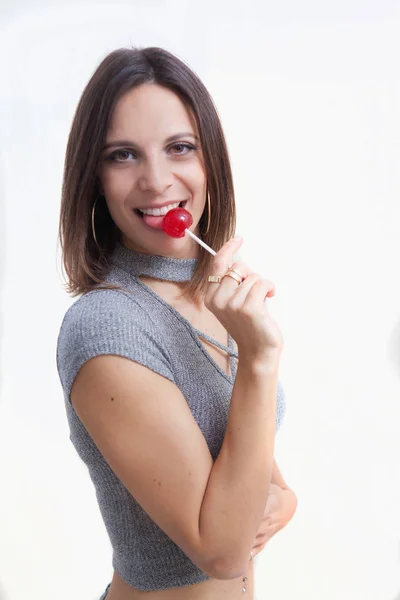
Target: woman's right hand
[241,307]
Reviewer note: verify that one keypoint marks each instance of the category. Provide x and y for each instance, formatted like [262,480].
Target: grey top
[138,324]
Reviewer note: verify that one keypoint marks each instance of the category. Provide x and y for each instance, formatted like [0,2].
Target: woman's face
[152,159]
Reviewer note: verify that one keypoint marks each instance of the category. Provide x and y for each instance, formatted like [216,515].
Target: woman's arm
[143,426]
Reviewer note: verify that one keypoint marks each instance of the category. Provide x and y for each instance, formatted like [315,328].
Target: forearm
[238,487]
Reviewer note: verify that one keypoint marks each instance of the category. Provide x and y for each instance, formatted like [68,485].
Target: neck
[164,268]
[188,250]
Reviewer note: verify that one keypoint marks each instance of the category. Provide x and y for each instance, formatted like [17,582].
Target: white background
[309,95]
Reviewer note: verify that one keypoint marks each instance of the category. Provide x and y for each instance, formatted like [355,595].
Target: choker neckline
[153,265]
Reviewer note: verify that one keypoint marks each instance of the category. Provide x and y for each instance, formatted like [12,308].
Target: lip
[161,205]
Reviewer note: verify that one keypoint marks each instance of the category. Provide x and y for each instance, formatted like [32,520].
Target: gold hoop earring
[93,229]
[208,213]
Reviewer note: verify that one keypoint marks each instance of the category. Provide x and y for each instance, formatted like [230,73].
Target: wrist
[261,364]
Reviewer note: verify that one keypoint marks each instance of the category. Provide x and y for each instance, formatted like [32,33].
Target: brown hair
[86,263]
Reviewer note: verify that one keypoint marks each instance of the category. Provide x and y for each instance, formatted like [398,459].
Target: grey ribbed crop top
[141,326]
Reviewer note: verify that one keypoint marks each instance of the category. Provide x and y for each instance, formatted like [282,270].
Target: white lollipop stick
[196,239]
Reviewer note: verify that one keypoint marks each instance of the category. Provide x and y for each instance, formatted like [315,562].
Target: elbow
[226,570]
[223,564]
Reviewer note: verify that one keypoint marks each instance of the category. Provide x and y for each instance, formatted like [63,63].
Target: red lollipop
[177,222]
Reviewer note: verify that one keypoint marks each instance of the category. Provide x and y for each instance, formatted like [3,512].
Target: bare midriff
[212,589]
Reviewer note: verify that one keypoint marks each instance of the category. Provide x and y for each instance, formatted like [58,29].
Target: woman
[177,437]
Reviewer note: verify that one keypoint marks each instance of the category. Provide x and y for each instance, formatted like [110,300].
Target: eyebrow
[172,138]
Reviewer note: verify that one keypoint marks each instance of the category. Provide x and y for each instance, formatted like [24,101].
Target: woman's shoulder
[111,317]
[100,305]
[109,321]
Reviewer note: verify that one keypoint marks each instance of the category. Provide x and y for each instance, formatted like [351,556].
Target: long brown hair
[86,262]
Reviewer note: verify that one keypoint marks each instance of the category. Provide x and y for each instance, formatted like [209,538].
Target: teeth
[159,212]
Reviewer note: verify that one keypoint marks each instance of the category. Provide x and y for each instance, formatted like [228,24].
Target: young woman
[178,437]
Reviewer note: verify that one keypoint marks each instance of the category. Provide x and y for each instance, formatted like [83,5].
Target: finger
[229,291]
[240,268]
[244,288]
[224,257]
[242,292]
[258,293]
[221,262]
[263,531]
[257,549]
[229,284]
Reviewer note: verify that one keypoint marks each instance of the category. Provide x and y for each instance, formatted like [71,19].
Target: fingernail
[237,238]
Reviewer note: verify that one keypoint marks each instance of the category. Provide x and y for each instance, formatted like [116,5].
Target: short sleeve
[108,322]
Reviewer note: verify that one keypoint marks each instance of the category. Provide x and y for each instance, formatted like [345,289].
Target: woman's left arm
[280,508]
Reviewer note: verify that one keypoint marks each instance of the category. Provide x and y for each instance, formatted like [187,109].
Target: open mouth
[141,215]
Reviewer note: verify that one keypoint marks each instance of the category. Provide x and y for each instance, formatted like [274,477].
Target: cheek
[117,184]
[195,178]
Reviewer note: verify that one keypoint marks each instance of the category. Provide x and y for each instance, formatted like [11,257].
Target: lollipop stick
[196,239]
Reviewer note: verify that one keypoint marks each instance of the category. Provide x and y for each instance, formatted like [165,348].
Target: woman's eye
[183,148]
[121,155]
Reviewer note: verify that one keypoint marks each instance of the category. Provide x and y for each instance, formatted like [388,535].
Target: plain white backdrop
[309,96]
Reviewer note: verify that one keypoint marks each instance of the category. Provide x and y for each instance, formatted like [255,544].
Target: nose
[155,176]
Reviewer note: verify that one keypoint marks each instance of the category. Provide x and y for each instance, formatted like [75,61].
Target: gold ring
[234,276]
[230,270]
[214,278]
